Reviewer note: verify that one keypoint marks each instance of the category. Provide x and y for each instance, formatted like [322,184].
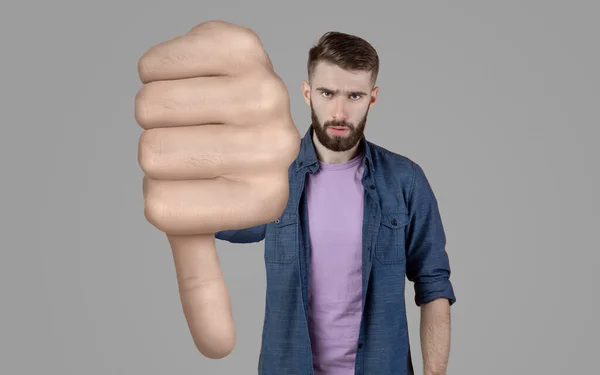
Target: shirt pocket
[390,247]
[282,244]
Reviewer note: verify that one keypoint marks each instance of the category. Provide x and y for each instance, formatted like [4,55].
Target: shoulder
[391,162]
[398,169]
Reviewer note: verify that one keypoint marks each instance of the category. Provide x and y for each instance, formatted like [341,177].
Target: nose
[340,113]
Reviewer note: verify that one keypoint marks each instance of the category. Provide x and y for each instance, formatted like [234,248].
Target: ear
[306,92]
[373,98]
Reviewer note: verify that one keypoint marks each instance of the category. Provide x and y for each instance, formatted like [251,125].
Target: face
[339,101]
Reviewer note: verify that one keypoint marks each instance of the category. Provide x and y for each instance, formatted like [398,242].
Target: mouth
[338,130]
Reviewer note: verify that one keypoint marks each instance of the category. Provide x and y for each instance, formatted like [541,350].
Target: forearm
[435,336]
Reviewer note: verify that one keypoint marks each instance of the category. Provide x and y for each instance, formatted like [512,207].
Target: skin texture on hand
[217,143]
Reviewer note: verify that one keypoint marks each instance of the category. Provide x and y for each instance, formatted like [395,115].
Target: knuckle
[152,101]
[154,207]
[154,212]
[143,67]
[149,151]
[245,44]
[280,142]
[249,47]
[141,104]
[291,140]
[210,24]
[273,96]
[287,140]
[248,39]
[239,36]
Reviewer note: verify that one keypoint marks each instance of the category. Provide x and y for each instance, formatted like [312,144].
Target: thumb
[204,296]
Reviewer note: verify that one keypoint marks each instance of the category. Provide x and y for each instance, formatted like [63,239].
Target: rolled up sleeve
[427,262]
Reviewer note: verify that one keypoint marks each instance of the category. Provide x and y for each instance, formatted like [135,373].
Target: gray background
[496,100]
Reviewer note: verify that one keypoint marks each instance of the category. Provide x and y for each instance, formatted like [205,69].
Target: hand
[217,143]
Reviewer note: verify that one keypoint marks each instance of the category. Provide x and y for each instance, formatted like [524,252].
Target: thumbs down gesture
[217,141]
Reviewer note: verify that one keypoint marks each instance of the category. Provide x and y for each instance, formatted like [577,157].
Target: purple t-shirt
[335,220]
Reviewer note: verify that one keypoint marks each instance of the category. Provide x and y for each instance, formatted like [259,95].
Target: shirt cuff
[427,292]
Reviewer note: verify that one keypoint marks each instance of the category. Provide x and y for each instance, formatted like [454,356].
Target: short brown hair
[347,51]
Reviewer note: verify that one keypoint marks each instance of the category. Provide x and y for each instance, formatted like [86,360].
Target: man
[359,219]
[344,220]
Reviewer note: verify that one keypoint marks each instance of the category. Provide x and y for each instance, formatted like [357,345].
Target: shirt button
[277,221]
[394,222]
[360,345]
[372,187]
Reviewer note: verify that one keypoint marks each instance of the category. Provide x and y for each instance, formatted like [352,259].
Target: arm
[248,235]
[428,268]
[435,336]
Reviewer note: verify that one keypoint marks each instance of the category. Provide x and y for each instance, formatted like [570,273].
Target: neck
[325,155]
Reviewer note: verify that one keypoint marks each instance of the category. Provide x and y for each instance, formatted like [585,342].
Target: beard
[338,143]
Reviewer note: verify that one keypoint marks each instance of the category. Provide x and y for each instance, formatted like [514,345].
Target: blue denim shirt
[403,237]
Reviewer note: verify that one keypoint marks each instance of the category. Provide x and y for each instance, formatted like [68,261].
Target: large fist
[217,143]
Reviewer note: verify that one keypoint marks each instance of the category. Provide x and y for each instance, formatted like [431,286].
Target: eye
[326,94]
[356,96]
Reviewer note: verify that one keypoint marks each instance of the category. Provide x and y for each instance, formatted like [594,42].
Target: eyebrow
[324,89]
